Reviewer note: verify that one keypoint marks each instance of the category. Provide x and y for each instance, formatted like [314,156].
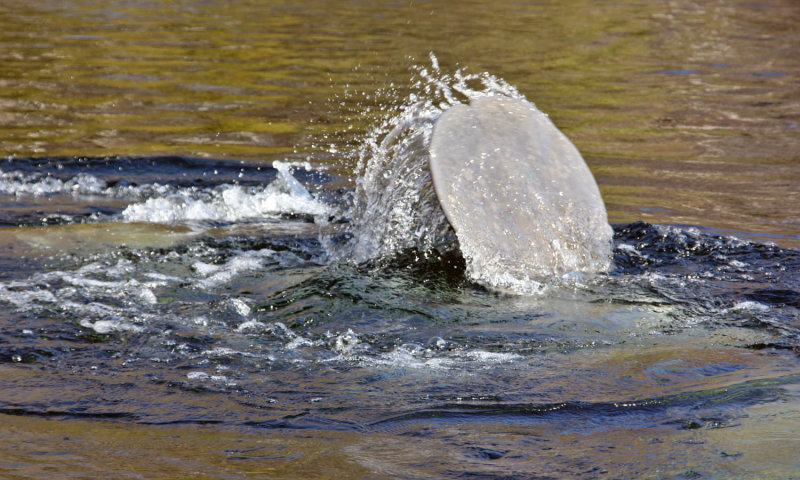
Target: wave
[231,203]
[206,192]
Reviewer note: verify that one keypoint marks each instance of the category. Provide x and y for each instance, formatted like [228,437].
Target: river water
[204,273]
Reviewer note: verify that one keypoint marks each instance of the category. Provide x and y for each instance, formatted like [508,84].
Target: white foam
[82,281]
[231,203]
[203,376]
[407,358]
[109,326]
[217,275]
[21,184]
[503,280]
[297,341]
[160,277]
[156,203]
[348,344]
[130,288]
[240,306]
[225,352]
[81,295]
[350,347]
[491,357]
[251,325]
[146,295]
[293,340]
[418,358]
[26,299]
[749,306]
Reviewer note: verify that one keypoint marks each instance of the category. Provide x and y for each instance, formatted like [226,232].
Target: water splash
[395,207]
[231,203]
[128,191]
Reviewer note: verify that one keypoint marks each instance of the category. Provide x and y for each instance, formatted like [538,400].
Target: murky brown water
[688,113]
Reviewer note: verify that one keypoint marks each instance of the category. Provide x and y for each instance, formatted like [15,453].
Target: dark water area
[241,327]
[208,268]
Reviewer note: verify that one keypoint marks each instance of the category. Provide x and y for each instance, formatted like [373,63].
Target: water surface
[177,273]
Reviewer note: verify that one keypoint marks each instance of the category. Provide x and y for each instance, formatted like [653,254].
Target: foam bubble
[491,357]
[506,281]
[129,288]
[298,342]
[433,356]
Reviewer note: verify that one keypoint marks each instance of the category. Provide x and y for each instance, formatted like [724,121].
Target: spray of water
[395,207]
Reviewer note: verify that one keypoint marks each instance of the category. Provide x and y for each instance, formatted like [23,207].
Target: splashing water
[230,203]
[395,207]
[233,193]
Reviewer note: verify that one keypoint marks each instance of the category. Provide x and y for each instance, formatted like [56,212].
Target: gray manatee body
[517,192]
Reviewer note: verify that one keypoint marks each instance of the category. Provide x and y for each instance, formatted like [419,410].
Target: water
[241,323]
[184,282]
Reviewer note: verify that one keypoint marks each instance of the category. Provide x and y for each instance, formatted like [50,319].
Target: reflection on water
[177,303]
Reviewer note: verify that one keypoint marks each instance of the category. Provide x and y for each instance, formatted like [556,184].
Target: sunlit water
[299,309]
